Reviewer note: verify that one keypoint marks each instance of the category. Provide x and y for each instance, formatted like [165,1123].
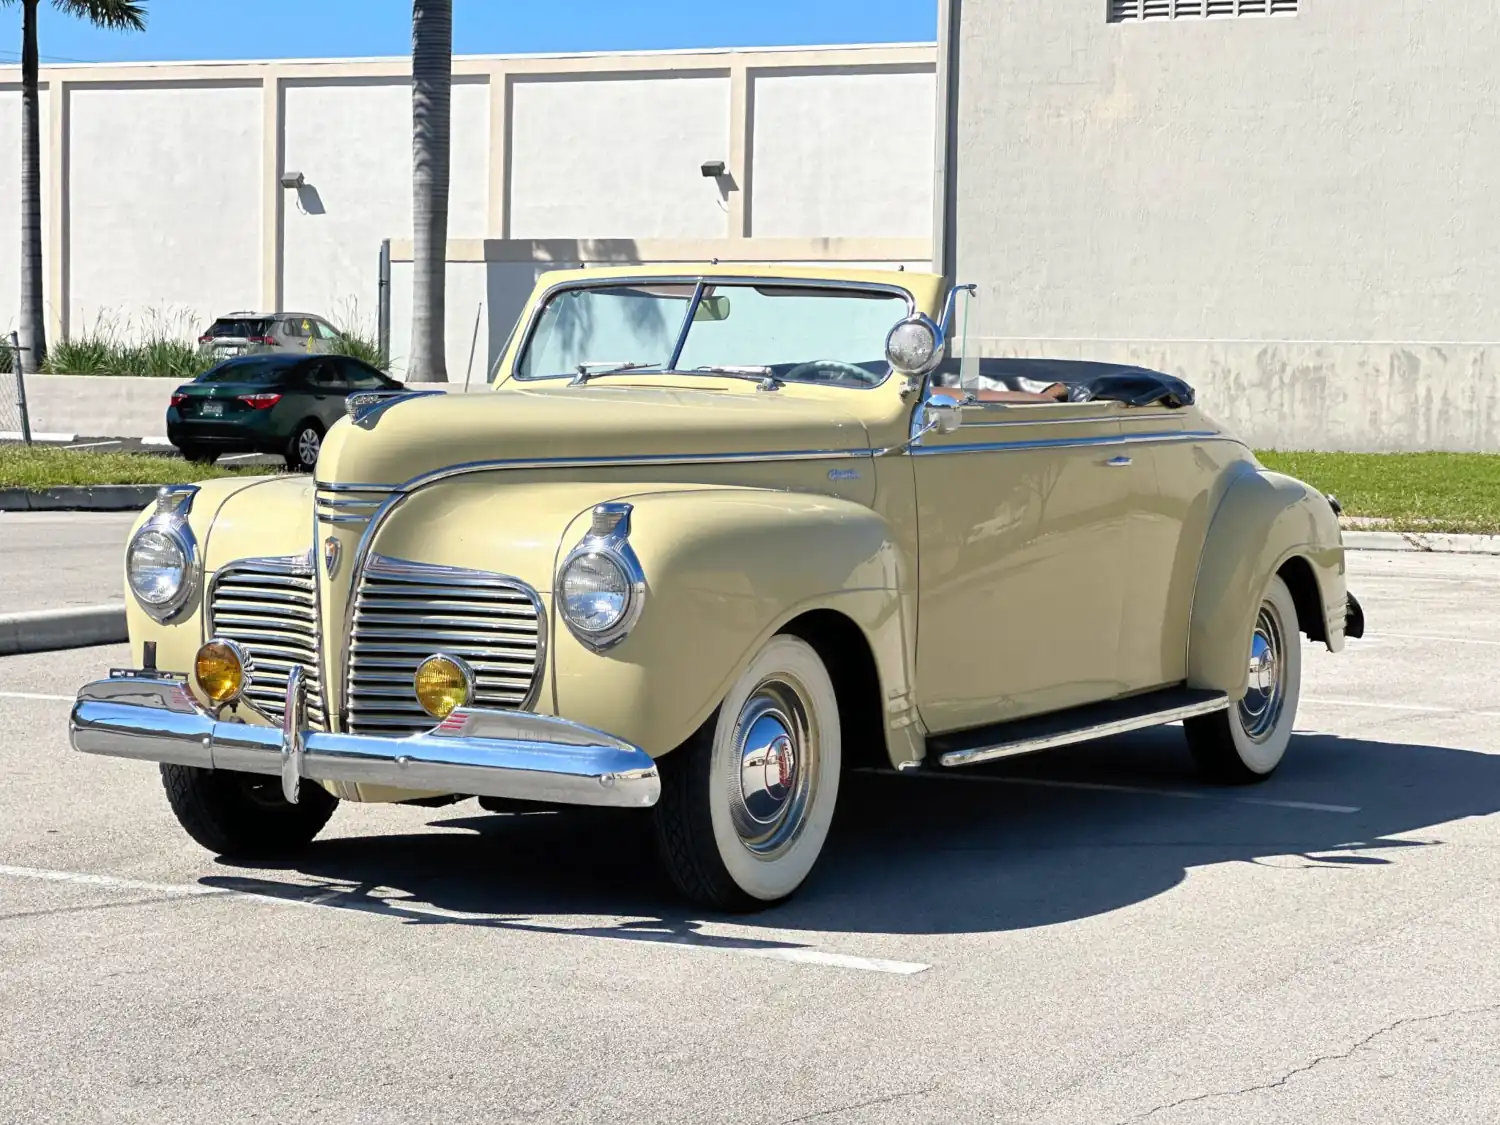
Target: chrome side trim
[1065,443]
[1083,734]
[484,753]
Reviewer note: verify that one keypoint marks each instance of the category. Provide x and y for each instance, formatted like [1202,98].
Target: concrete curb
[79,498]
[1418,541]
[50,629]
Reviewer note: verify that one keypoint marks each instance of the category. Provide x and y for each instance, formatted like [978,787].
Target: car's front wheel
[302,451]
[244,814]
[1246,743]
[746,804]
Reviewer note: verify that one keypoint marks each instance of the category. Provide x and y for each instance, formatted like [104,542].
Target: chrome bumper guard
[148,717]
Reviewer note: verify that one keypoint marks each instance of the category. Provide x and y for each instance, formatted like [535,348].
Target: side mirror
[944,413]
[914,346]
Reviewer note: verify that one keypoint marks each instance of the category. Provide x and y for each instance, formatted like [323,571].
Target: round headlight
[443,684]
[596,593]
[156,567]
[221,672]
[912,346]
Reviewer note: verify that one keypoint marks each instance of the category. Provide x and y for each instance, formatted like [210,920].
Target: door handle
[1118,462]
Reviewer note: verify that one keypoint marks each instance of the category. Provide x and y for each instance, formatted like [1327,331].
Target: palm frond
[113,15]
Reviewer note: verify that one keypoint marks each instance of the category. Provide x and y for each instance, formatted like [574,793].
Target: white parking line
[238,456]
[1181,794]
[93,444]
[155,441]
[36,695]
[340,899]
[1415,708]
[1433,637]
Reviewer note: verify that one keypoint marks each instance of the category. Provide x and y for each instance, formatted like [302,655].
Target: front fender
[1264,521]
[725,569]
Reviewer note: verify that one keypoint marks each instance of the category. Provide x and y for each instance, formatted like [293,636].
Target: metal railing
[15,419]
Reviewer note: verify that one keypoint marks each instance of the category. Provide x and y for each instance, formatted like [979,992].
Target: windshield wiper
[596,368]
[762,375]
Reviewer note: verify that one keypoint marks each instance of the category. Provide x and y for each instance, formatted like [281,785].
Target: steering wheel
[850,370]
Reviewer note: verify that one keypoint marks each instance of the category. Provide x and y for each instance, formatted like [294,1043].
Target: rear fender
[1264,521]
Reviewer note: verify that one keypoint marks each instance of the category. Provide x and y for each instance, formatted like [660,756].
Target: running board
[1082,724]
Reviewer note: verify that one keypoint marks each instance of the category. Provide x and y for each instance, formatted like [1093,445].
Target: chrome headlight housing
[601,588]
[161,559]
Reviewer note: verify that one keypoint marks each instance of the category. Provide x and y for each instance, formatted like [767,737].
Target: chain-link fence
[15,423]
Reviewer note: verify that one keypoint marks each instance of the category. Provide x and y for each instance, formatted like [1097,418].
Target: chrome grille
[350,503]
[269,608]
[405,612]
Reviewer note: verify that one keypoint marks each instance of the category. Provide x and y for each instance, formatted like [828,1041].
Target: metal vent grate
[269,608]
[405,612]
[1136,11]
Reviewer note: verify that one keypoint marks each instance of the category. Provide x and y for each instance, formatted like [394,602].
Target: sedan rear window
[240,327]
[259,370]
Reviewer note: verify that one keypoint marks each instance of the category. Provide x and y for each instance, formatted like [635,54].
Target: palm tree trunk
[431,98]
[33,329]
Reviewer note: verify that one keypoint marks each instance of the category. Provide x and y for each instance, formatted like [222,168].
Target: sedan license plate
[213,410]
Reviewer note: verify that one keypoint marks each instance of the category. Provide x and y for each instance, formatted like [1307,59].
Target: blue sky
[223,29]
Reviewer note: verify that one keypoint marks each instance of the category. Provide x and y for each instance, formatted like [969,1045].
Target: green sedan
[270,403]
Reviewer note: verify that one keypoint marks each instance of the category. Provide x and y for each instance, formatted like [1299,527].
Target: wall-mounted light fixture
[293,179]
[713,169]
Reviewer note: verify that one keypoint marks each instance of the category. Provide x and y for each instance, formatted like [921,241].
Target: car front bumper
[154,718]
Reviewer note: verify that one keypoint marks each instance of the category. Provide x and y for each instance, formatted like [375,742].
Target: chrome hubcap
[307,446]
[1261,708]
[776,761]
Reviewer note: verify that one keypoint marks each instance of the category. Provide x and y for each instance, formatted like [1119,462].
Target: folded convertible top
[1086,381]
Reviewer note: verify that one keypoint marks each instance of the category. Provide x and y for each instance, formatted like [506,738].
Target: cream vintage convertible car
[714,538]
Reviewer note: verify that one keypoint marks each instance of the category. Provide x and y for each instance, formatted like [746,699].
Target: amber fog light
[222,671]
[443,684]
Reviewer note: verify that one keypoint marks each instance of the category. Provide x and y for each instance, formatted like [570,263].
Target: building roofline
[386,60]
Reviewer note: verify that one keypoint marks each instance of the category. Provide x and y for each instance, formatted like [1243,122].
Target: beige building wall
[163,203]
[1297,213]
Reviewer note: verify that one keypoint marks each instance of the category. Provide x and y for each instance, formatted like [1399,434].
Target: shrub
[165,348]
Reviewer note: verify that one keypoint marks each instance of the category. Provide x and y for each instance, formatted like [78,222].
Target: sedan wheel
[746,804]
[306,444]
[1246,743]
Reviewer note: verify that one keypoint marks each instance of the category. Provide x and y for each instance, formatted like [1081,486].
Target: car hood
[563,425]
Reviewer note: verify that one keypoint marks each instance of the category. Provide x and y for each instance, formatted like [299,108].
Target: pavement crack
[1337,1056]
[882,1100]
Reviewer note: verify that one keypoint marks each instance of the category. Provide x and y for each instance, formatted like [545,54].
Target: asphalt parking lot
[1087,936]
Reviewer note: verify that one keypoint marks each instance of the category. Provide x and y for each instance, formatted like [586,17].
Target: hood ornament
[331,555]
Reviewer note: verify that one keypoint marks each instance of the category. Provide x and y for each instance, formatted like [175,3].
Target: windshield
[796,333]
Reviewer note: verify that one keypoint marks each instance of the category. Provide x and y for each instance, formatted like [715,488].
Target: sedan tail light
[262,339]
[205,339]
[260,401]
[178,399]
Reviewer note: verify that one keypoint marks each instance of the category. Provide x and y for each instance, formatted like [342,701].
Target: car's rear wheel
[307,442]
[746,804]
[1246,743]
[244,814]
[198,455]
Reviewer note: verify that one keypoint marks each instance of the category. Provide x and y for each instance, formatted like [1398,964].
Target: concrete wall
[164,208]
[1296,214]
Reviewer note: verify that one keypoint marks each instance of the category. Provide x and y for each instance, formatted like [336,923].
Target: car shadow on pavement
[1054,838]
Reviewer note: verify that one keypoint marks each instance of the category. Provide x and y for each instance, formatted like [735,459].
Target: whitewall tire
[1246,743]
[747,803]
